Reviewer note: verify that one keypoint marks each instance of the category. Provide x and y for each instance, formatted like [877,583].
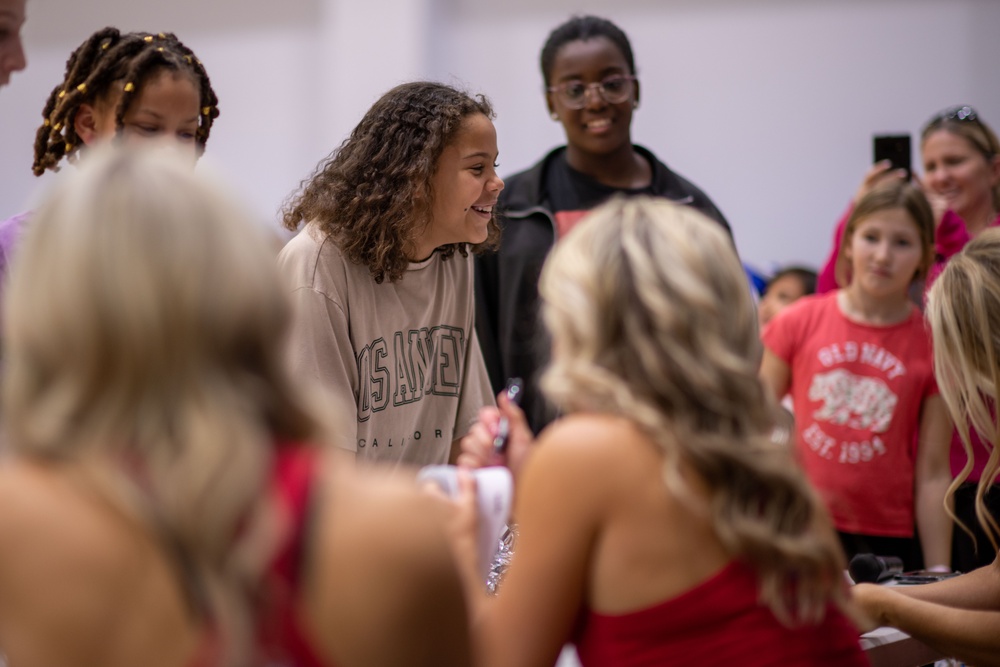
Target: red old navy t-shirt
[857,391]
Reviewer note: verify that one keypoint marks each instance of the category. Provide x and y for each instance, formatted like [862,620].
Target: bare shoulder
[610,455]
[588,441]
[383,561]
[63,541]
[41,511]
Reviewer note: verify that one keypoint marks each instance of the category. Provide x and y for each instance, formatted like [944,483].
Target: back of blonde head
[963,308]
[652,319]
[142,328]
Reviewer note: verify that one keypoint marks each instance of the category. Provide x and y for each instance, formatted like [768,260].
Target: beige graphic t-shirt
[404,354]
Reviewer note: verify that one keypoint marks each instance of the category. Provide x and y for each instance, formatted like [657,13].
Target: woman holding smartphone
[961,161]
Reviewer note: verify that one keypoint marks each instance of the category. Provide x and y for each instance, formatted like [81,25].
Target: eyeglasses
[962,113]
[613,90]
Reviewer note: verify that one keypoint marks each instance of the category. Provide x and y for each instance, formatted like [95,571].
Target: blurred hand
[880,172]
[477,445]
[868,599]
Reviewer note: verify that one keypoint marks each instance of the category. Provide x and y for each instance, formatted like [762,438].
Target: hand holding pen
[513,395]
[501,436]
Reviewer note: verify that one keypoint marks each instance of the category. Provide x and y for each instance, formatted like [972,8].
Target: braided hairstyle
[107,59]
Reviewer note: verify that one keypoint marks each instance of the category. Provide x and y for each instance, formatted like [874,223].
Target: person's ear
[550,105]
[86,123]
[995,169]
[635,94]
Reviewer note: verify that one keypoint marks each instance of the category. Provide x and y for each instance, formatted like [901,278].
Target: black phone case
[896,149]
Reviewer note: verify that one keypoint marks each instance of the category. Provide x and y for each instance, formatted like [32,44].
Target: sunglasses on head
[960,113]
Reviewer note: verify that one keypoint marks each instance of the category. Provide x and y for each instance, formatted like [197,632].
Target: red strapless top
[718,622]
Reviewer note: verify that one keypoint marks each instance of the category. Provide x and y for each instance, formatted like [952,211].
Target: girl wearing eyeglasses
[961,158]
[592,90]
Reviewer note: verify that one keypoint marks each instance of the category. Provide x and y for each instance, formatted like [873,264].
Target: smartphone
[896,149]
[513,391]
[921,577]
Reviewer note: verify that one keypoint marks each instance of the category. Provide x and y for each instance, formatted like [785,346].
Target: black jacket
[507,322]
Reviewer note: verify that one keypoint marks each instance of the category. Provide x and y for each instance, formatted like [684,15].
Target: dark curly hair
[373,195]
[582,28]
[106,58]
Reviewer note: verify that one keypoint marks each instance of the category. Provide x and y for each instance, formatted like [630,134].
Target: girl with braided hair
[136,86]
[381,274]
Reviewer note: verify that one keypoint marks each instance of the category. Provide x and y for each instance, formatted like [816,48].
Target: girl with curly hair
[381,272]
[658,522]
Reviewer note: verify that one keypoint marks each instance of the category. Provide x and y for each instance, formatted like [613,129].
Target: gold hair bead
[62,93]
[82,87]
[57,127]
[148,38]
[206,111]
[129,87]
[161,36]
[160,49]
[106,44]
[46,122]
[69,147]
[188,58]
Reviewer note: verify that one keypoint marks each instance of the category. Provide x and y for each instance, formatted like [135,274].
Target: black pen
[503,428]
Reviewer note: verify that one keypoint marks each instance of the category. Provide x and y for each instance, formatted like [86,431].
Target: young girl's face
[465,186]
[600,127]
[885,251]
[780,293]
[166,106]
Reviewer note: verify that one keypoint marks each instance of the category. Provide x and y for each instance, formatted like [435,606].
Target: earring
[554,115]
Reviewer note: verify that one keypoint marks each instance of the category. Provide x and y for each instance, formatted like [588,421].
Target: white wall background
[768,105]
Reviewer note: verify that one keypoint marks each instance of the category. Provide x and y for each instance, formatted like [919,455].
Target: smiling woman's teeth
[483,209]
[598,124]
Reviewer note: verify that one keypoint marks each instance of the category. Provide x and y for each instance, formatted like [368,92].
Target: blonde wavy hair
[143,324]
[963,309]
[652,319]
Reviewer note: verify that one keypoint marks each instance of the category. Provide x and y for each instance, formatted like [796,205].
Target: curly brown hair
[106,58]
[373,196]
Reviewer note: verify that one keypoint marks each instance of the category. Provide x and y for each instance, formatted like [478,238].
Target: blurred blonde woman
[961,616]
[658,521]
[162,461]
